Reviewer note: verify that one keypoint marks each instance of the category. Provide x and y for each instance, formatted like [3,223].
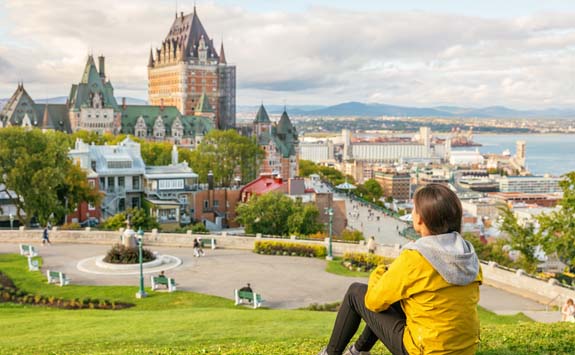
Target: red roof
[263,185]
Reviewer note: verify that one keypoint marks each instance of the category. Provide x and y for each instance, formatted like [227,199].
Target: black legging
[387,326]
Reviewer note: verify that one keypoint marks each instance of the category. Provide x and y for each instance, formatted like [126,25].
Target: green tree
[521,238]
[557,229]
[38,176]
[156,153]
[227,154]
[373,189]
[266,214]
[138,219]
[304,220]
[306,168]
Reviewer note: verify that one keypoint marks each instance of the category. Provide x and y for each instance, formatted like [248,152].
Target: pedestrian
[568,311]
[247,288]
[45,237]
[371,245]
[425,302]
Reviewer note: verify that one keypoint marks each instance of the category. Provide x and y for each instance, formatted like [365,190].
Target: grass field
[190,323]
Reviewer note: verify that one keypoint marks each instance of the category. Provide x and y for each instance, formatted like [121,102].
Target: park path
[284,282]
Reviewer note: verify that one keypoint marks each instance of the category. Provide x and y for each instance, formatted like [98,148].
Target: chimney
[102,66]
[210,180]
[124,103]
[161,104]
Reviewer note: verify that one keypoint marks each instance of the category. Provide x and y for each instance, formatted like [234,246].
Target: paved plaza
[284,282]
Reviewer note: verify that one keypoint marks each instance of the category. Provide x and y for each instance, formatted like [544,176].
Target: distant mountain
[374,110]
[277,109]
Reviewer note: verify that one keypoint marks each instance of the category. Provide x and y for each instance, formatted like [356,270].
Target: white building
[119,168]
[316,152]
[465,157]
[530,184]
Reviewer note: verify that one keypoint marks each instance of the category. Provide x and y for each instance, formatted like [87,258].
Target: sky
[516,53]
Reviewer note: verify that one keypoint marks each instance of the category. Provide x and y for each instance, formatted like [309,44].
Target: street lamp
[11,221]
[141,293]
[329,212]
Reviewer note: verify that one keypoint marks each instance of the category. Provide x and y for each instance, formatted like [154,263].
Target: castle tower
[187,65]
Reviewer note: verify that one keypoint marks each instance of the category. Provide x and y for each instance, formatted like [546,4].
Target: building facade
[187,66]
[280,143]
[91,106]
[530,184]
[395,185]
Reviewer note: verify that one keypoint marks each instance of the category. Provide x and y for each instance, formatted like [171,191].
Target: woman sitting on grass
[425,302]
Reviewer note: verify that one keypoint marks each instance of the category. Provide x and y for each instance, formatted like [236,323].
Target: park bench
[169,282]
[208,242]
[57,277]
[254,298]
[28,250]
[33,264]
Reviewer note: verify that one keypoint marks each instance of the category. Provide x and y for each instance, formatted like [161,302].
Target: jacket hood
[450,255]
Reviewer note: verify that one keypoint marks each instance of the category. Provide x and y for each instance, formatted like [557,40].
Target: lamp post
[329,212]
[141,293]
[11,221]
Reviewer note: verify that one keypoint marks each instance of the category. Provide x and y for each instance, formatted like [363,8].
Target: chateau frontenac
[187,66]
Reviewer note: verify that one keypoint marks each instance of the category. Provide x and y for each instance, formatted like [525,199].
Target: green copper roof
[203,105]
[262,116]
[91,84]
[193,125]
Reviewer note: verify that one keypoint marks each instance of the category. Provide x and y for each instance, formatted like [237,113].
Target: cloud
[320,56]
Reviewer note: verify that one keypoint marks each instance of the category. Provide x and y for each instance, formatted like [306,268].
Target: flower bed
[364,261]
[291,249]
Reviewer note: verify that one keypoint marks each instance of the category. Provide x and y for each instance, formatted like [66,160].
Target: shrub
[327,307]
[120,254]
[364,261]
[199,228]
[288,248]
[352,235]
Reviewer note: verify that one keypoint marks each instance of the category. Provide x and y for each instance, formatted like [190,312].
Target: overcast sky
[518,53]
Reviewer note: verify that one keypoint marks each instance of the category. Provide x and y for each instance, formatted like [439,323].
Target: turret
[222,59]
[102,66]
[151,60]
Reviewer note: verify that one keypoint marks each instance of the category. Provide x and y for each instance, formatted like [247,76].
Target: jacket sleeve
[387,287]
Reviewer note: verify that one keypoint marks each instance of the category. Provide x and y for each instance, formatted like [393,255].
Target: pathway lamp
[329,212]
[11,221]
[141,293]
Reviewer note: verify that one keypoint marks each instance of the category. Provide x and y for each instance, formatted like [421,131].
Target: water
[546,153]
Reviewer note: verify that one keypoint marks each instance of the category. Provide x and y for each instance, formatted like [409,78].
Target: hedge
[291,249]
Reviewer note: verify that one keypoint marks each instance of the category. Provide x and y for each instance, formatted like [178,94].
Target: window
[102,182]
[120,164]
[121,181]
[216,203]
[91,206]
[135,202]
[135,182]
[206,204]
[111,184]
[93,165]
[92,184]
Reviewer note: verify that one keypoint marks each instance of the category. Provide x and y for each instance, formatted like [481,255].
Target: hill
[191,323]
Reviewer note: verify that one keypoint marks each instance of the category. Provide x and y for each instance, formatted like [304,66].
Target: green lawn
[190,323]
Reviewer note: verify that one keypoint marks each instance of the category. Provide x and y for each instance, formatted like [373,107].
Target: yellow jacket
[441,317]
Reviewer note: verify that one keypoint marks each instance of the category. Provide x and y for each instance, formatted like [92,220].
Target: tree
[156,153]
[266,214]
[227,154]
[304,220]
[138,219]
[522,238]
[38,177]
[373,189]
[306,168]
[557,229]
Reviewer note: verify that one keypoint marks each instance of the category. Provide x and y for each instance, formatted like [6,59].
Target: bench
[254,298]
[211,242]
[57,277]
[28,250]
[170,283]
[33,264]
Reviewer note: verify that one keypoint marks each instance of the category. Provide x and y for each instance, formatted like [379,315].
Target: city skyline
[311,52]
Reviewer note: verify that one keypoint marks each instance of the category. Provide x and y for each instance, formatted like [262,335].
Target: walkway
[285,282]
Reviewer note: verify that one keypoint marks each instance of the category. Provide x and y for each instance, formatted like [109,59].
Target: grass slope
[189,323]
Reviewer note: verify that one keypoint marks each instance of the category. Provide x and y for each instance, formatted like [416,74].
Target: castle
[187,67]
